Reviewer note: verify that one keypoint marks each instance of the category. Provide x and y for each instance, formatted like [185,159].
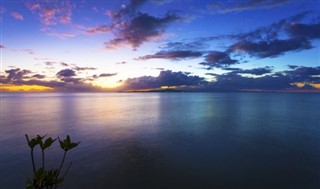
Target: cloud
[292,66]
[64,64]
[304,72]
[66,83]
[38,76]
[238,6]
[165,78]
[299,30]
[132,27]
[107,74]
[99,29]
[254,71]
[49,63]
[123,62]
[2,47]
[83,68]
[16,75]
[140,29]
[17,16]
[218,59]
[287,35]
[61,35]
[174,55]
[264,49]
[104,75]
[187,46]
[66,73]
[52,13]
[284,80]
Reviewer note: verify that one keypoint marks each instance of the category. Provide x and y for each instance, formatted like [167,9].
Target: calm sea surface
[168,140]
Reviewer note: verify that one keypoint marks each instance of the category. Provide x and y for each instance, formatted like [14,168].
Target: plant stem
[67,170]
[42,152]
[64,156]
[32,159]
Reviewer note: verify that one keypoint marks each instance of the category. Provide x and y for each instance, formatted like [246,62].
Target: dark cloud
[165,78]
[264,49]
[237,6]
[83,68]
[278,81]
[66,73]
[2,47]
[16,75]
[212,74]
[64,64]
[287,35]
[49,63]
[237,82]
[135,4]
[218,59]
[292,66]
[174,55]
[139,29]
[254,71]
[107,74]
[303,71]
[132,27]
[186,46]
[299,30]
[71,80]
[65,84]
[38,76]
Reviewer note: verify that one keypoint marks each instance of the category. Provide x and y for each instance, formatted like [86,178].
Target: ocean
[167,140]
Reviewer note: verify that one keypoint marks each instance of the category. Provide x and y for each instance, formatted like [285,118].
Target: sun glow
[107,84]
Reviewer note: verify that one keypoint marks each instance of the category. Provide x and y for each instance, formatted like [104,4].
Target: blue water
[168,140]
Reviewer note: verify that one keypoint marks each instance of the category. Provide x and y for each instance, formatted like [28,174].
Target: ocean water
[167,140]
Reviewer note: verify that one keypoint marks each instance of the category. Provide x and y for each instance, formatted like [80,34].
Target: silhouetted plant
[47,178]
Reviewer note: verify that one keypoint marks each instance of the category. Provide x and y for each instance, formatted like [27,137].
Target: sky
[147,45]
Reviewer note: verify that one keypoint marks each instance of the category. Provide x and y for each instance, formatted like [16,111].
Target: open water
[167,140]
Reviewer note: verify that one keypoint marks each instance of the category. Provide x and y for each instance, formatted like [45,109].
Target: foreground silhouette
[43,178]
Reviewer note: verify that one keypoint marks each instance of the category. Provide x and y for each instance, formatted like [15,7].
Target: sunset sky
[83,45]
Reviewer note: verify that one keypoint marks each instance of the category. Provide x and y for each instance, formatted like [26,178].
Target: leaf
[47,143]
[66,144]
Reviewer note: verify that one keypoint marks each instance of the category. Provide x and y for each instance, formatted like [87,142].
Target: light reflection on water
[169,140]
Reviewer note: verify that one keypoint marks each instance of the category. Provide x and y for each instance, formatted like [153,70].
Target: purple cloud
[218,59]
[174,55]
[83,68]
[264,49]
[254,71]
[237,6]
[107,74]
[38,76]
[66,73]
[299,30]
[139,29]
[165,78]
[16,74]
